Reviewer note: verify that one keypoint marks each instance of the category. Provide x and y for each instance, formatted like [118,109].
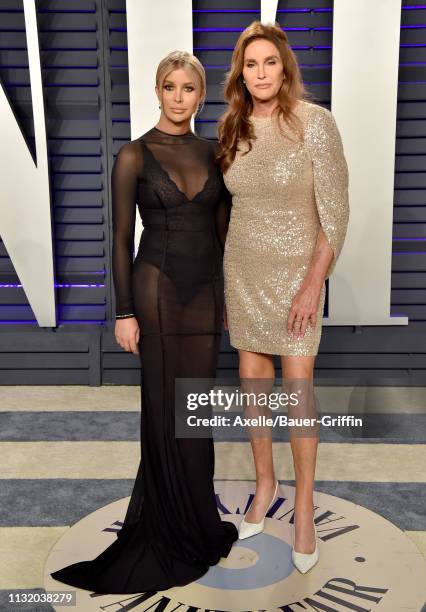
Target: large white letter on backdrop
[364,103]
[25,219]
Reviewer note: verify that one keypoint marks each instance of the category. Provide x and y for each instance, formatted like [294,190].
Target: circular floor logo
[366,563]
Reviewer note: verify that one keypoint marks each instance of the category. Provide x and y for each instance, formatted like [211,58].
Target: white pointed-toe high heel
[305,561]
[246,530]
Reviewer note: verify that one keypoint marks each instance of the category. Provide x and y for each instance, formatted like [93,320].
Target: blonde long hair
[234,123]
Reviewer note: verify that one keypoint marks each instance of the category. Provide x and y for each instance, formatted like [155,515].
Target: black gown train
[172,530]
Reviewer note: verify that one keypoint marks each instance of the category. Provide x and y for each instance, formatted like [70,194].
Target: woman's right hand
[127,334]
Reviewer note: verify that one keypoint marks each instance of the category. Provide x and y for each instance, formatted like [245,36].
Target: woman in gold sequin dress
[283,162]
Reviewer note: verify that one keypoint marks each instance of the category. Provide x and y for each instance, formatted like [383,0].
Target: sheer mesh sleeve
[330,178]
[222,215]
[124,180]
[223,207]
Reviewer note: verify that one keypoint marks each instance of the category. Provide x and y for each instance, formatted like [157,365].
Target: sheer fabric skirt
[172,531]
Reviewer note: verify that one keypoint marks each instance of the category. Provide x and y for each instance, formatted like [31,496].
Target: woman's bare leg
[304,449]
[257,366]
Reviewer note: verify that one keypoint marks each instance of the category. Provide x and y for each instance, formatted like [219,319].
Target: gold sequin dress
[283,191]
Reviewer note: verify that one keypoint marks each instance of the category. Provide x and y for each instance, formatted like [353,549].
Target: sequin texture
[283,191]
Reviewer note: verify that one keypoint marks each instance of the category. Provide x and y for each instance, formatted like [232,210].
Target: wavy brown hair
[234,123]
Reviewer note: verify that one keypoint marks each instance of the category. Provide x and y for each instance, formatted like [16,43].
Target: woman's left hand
[303,311]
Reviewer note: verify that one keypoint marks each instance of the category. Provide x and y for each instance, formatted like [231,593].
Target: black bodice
[184,207]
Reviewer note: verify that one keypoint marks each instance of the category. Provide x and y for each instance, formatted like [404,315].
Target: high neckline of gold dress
[265,118]
[269,118]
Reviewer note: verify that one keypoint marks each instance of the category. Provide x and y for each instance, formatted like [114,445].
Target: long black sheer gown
[172,531]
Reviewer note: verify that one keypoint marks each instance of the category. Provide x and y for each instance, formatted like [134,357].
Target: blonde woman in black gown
[169,309]
[283,162]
